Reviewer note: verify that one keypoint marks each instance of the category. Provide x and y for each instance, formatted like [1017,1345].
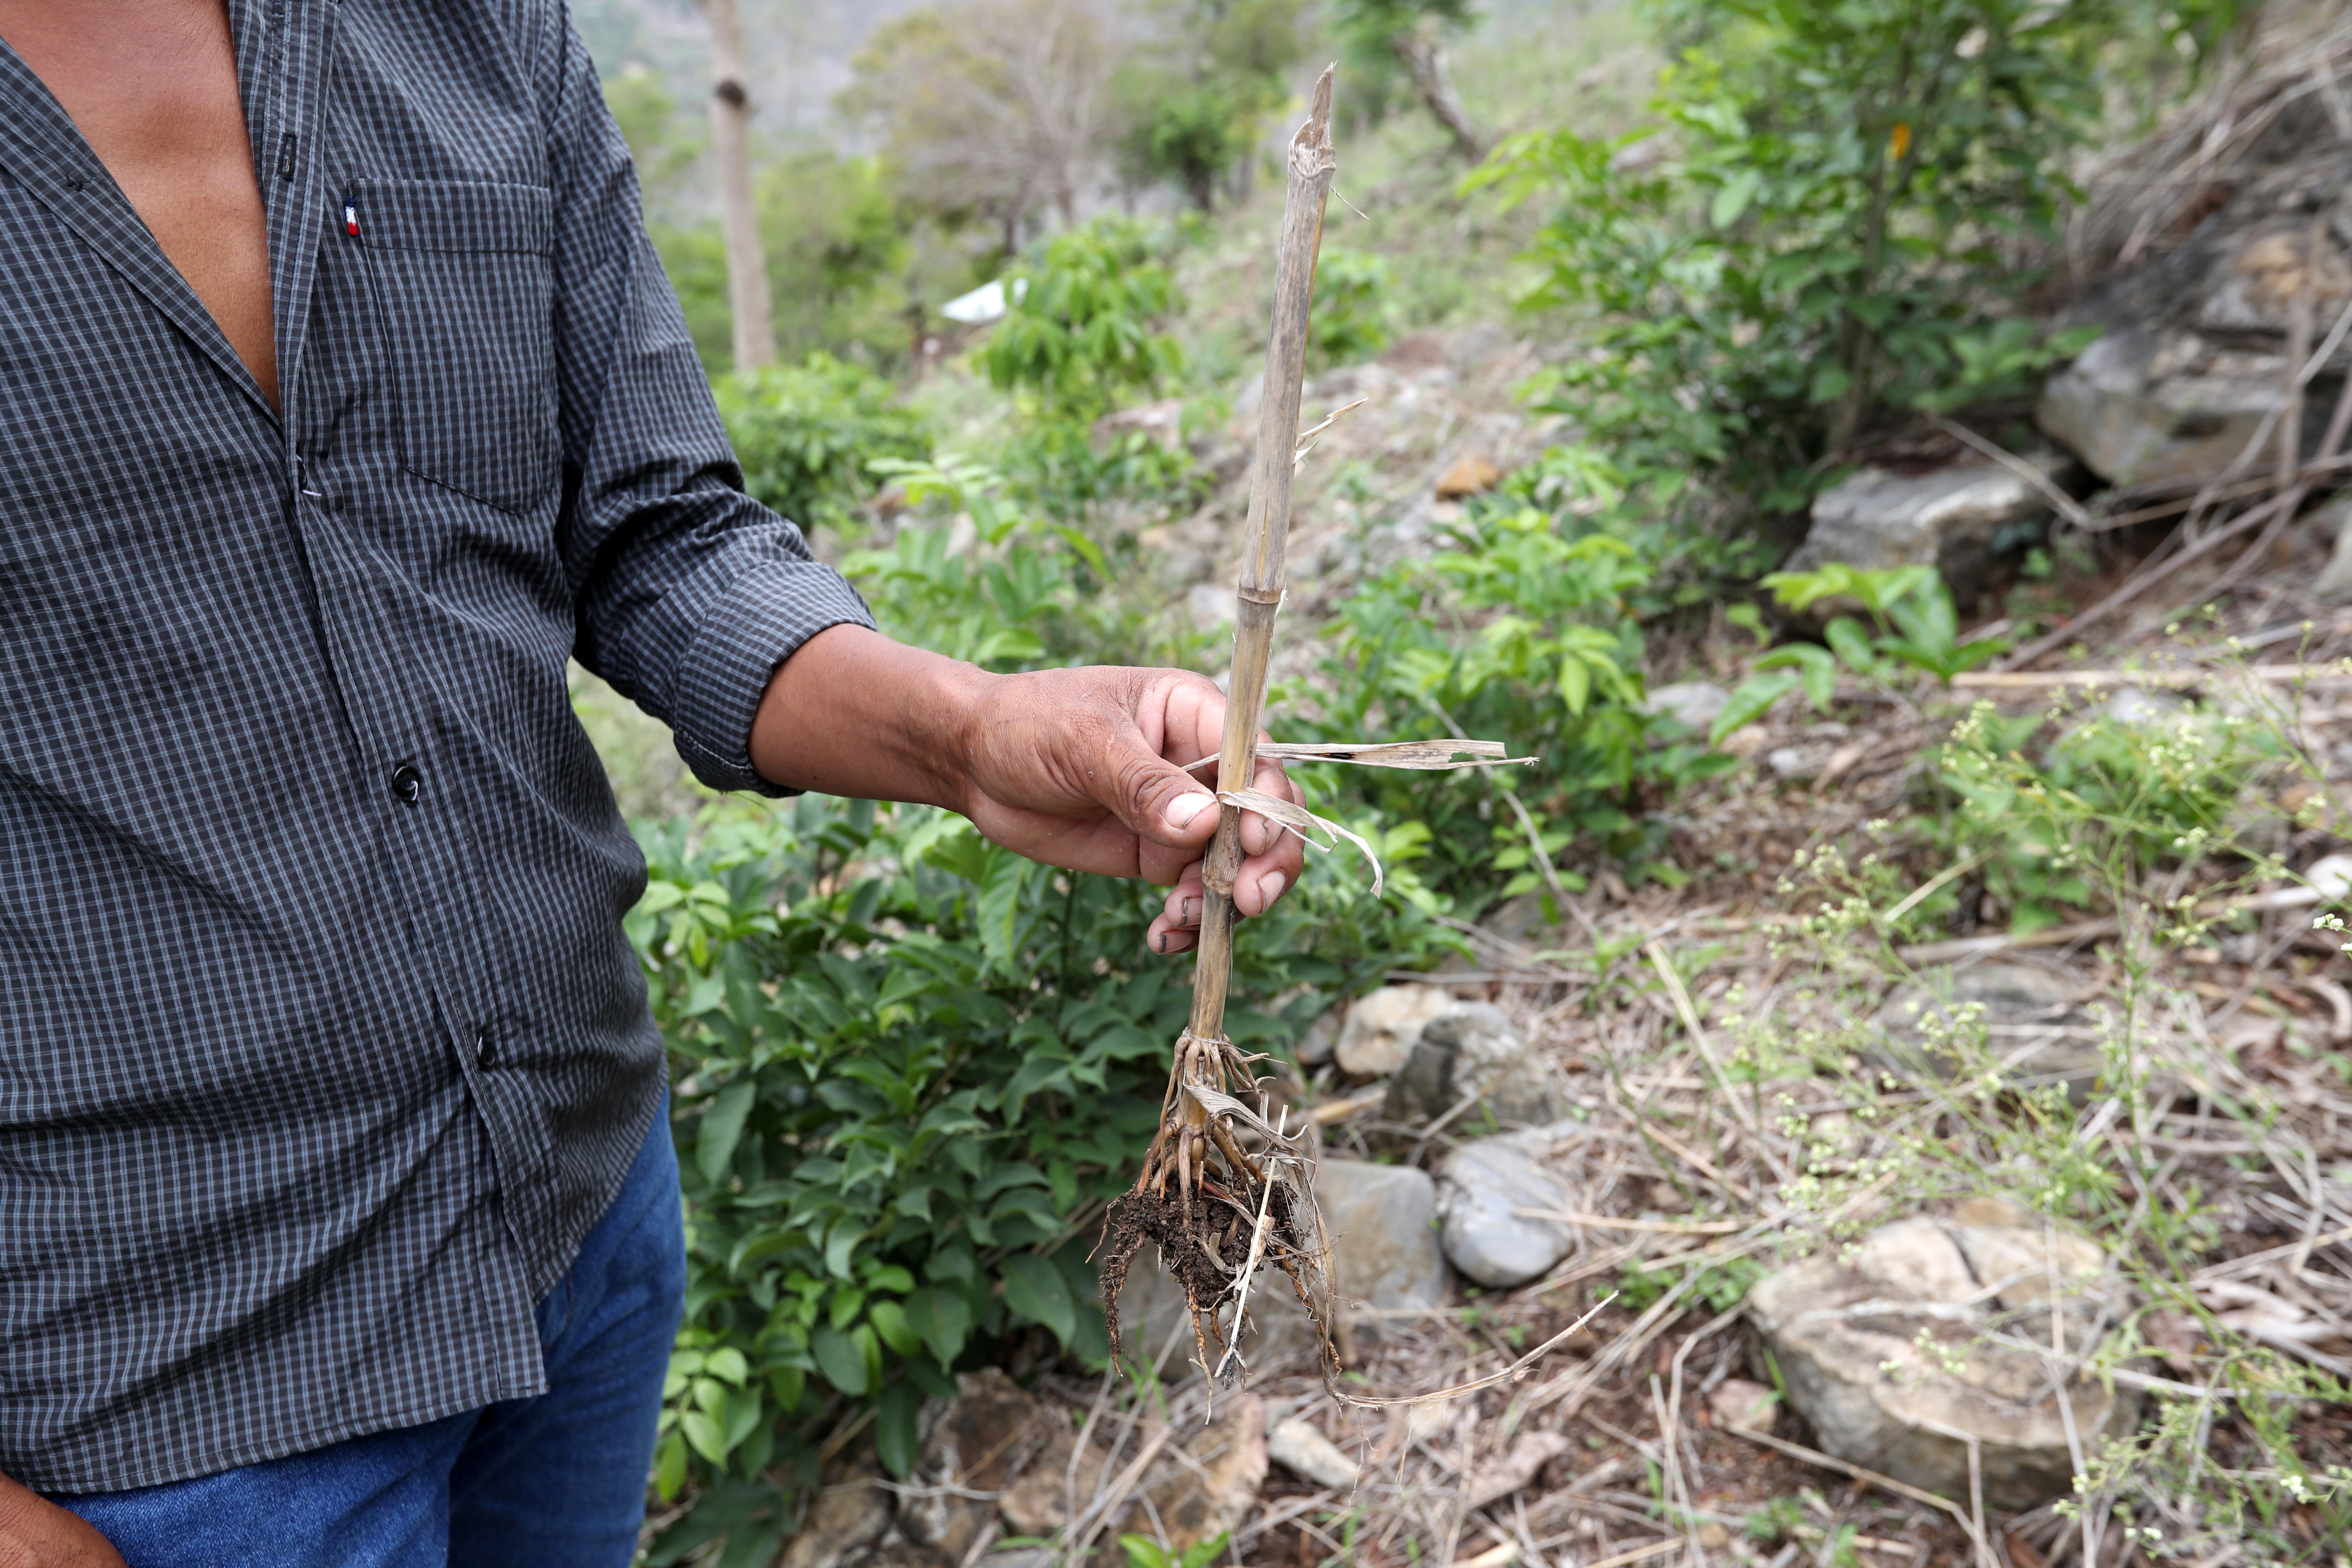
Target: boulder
[2193,351]
[1932,1335]
[2143,404]
[1955,519]
[1483,1187]
[1381,1026]
[1471,1051]
[2034,1028]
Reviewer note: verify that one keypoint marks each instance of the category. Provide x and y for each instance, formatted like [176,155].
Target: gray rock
[846,1517]
[1952,518]
[1901,1356]
[2335,583]
[2141,405]
[1195,1489]
[1298,1447]
[971,1444]
[1485,1185]
[1694,704]
[1315,1046]
[1518,918]
[2193,355]
[1211,606]
[2029,1025]
[1382,1026]
[1471,1051]
[1382,1220]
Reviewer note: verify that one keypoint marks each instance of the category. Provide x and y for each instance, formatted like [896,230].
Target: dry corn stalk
[1224,1192]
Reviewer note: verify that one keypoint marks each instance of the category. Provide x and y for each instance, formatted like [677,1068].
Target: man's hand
[37,1533]
[1080,768]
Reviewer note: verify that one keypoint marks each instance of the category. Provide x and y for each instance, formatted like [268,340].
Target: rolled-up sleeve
[688,593]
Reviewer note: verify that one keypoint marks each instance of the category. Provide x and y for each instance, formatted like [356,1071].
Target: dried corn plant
[1225,1195]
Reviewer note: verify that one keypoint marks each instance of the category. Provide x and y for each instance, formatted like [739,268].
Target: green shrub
[1914,630]
[1832,213]
[910,1067]
[1351,319]
[1516,631]
[1082,328]
[2109,799]
[1193,101]
[1083,335]
[805,435]
[1024,594]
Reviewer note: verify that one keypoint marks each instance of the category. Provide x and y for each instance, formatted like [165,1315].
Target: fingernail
[1191,912]
[1270,886]
[1162,941]
[1185,807]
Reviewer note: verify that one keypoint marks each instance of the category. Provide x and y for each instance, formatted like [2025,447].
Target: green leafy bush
[1833,213]
[1020,594]
[1912,627]
[910,1068]
[805,435]
[1082,329]
[1351,319]
[1083,335]
[1516,631]
[2108,798]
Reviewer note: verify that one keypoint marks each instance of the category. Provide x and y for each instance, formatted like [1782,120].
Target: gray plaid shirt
[320,1046]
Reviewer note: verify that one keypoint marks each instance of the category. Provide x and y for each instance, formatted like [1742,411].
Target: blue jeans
[557,1480]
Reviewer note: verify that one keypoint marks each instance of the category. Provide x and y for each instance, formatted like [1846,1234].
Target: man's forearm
[854,713]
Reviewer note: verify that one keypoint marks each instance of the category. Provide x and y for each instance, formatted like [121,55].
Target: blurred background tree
[1385,35]
[990,110]
[1196,99]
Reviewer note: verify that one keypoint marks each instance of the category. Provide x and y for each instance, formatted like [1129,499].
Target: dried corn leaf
[1304,823]
[1428,756]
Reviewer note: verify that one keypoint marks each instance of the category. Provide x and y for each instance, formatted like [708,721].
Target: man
[341,400]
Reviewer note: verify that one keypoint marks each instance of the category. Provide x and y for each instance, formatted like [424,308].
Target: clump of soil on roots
[1205,1242]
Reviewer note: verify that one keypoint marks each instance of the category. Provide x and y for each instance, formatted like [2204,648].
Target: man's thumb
[1158,800]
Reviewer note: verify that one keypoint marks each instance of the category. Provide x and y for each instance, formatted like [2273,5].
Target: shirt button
[407,784]
[486,1047]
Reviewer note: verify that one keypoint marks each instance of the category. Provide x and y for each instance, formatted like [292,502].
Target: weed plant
[1517,628]
[2159,821]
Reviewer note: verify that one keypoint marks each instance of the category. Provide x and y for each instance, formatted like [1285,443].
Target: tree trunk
[1425,62]
[739,214]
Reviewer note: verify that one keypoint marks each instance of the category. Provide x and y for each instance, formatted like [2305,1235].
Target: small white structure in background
[983,304]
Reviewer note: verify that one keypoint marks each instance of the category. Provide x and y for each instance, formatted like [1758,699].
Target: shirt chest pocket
[465,283]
